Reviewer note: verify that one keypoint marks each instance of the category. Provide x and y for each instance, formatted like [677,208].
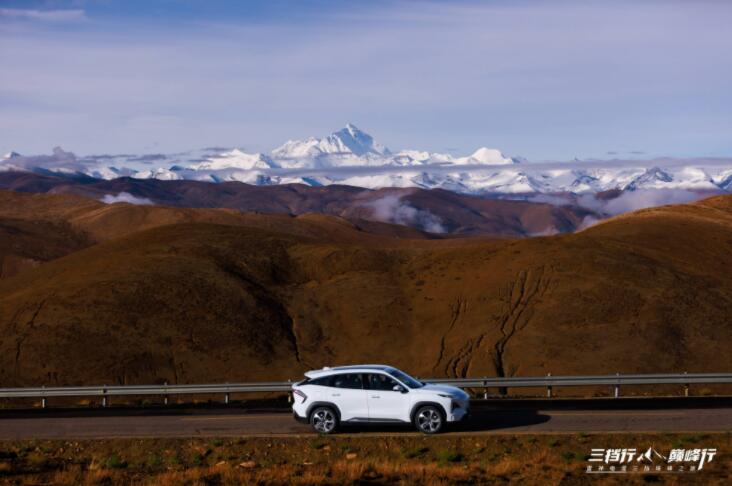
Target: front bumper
[459,410]
[458,414]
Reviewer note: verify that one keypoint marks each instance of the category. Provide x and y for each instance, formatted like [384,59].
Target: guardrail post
[485,390]
[104,396]
[617,386]
[165,397]
[548,387]
[289,393]
[686,387]
[43,398]
[226,395]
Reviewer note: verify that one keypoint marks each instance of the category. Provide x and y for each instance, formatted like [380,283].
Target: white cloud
[549,199]
[60,160]
[626,202]
[587,222]
[66,15]
[635,200]
[125,197]
[391,209]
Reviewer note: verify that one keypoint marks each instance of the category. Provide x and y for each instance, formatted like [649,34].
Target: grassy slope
[407,459]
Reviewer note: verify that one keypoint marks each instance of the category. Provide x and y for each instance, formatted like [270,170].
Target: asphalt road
[504,418]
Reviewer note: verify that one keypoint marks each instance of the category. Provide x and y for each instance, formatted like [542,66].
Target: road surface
[542,418]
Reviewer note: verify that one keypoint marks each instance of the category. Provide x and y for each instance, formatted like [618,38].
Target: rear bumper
[302,420]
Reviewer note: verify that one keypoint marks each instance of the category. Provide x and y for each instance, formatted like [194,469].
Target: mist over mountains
[436,211]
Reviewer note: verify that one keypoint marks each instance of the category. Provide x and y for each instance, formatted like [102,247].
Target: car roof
[354,368]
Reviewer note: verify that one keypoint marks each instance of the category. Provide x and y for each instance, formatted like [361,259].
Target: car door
[384,402]
[348,393]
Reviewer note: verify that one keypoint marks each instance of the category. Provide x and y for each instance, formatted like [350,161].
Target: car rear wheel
[324,420]
[429,419]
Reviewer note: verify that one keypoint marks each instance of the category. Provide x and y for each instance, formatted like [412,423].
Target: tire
[429,419]
[324,420]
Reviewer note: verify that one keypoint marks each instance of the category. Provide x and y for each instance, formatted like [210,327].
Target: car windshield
[406,379]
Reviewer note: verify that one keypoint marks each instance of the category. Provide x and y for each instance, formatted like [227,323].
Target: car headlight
[443,395]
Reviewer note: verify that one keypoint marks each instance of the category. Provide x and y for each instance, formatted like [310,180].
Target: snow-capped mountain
[484,155]
[652,178]
[351,156]
[236,159]
[724,180]
[350,141]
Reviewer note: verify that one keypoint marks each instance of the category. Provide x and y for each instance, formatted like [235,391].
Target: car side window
[348,380]
[322,381]
[377,381]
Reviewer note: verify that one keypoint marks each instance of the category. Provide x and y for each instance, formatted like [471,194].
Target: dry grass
[530,460]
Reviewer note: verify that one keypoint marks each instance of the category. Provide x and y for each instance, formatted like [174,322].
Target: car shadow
[487,420]
[479,421]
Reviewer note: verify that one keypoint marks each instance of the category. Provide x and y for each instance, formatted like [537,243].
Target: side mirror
[399,388]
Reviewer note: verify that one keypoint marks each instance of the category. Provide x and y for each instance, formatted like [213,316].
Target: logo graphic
[608,461]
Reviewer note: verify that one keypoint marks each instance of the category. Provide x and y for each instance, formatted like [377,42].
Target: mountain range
[436,212]
[352,157]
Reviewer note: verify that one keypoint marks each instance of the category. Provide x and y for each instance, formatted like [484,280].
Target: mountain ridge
[437,210]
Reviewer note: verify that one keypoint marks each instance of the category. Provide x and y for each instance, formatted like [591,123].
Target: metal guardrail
[164,390]
[548,382]
[615,381]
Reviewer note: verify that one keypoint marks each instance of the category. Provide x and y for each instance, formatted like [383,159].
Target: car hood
[446,389]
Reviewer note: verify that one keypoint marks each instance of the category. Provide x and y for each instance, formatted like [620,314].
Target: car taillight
[300,394]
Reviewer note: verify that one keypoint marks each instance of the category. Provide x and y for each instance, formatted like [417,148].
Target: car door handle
[336,394]
[375,396]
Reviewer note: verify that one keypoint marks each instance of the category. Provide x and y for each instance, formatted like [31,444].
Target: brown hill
[431,210]
[205,301]
[36,228]
[26,244]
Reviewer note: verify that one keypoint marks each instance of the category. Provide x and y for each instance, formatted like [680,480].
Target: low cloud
[551,231]
[635,200]
[148,158]
[125,197]
[60,160]
[391,209]
[549,199]
[587,222]
[626,202]
[63,15]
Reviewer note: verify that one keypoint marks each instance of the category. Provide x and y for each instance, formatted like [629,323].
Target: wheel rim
[429,420]
[324,421]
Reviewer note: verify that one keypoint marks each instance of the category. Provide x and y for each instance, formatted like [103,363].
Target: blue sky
[548,80]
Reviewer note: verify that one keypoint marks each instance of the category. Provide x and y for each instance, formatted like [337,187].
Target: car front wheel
[429,420]
[324,420]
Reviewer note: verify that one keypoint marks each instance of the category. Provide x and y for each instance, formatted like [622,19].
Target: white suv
[375,393]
